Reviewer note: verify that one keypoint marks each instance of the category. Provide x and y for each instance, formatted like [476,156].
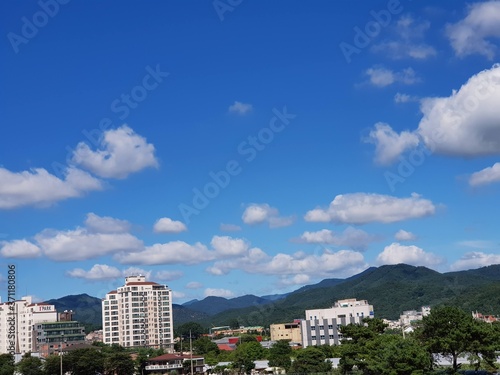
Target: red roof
[227,347]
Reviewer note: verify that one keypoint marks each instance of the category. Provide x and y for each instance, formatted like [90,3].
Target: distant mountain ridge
[391,289]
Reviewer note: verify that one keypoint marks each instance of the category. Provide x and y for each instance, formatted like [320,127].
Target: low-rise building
[52,337]
[322,326]
[166,363]
[286,331]
[410,316]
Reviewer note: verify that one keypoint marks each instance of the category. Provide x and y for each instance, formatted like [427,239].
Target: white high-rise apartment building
[138,314]
[17,322]
[321,326]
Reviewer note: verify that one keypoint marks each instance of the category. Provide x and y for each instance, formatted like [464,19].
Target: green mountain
[390,289]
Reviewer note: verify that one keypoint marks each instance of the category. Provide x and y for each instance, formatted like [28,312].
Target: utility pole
[191,351]
[61,351]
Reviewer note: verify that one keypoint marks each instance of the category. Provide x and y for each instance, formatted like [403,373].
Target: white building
[407,317]
[17,324]
[321,326]
[138,314]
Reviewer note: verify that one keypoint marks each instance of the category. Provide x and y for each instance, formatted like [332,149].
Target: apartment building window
[313,337]
[321,327]
[331,337]
[322,337]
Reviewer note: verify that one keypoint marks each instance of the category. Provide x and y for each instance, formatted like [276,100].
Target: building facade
[410,316]
[138,314]
[17,322]
[322,326]
[286,331]
[55,337]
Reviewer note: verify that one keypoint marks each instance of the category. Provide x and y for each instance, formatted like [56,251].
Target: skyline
[233,148]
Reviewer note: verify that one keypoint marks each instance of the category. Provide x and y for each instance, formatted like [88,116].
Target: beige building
[138,314]
[286,331]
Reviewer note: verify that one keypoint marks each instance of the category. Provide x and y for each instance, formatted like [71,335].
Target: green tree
[245,354]
[482,345]
[119,363]
[448,331]
[204,345]
[234,323]
[310,360]
[29,365]
[7,364]
[280,354]
[85,361]
[52,365]
[193,328]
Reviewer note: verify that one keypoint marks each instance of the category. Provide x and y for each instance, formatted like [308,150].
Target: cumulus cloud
[102,236]
[464,124]
[260,213]
[97,272]
[228,247]
[475,259]
[175,252]
[473,34]
[121,153]
[38,187]
[21,249]
[218,293]
[229,227]
[240,108]
[486,176]
[382,77]
[194,285]
[168,275]
[478,244]
[300,279]
[105,224]
[403,235]
[408,40]
[396,253]
[80,244]
[167,225]
[352,238]
[389,145]
[363,208]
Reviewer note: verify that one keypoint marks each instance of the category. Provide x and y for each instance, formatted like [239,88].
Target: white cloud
[408,41]
[194,285]
[382,77]
[486,176]
[218,293]
[240,108]
[300,279]
[260,213]
[105,224]
[229,247]
[168,275]
[405,98]
[97,272]
[465,124]
[340,263]
[478,244]
[470,35]
[40,188]
[229,227]
[178,295]
[362,208]
[402,235]
[80,244]
[21,249]
[175,252]
[122,152]
[135,271]
[396,253]
[167,225]
[353,238]
[475,259]
[389,144]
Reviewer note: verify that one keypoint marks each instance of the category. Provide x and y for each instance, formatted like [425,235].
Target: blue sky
[245,147]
